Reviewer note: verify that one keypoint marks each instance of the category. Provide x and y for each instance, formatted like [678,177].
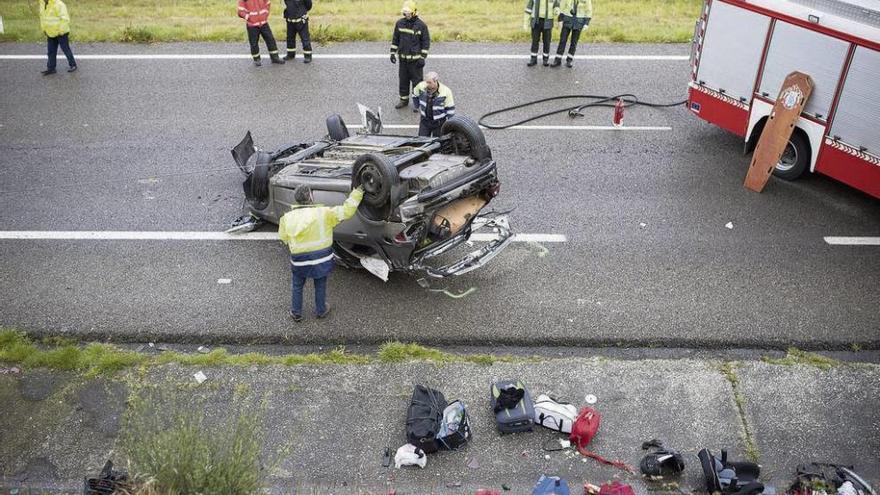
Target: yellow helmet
[409,6]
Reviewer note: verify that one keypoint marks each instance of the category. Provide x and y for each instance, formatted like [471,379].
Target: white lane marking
[110,235]
[853,241]
[343,56]
[545,127]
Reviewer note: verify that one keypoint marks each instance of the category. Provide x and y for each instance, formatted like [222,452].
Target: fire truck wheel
[795,159]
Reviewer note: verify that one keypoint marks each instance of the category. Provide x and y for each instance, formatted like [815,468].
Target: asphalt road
[143,145]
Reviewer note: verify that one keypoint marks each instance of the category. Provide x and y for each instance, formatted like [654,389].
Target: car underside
[423,196]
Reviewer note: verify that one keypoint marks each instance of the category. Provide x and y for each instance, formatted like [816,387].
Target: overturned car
[424,196]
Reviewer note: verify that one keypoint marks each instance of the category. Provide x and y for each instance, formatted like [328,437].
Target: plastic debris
[642,224]
[564,443]
[203,349]
[542,251]
[410,455]
[729,225]
[376,266]
[591,399]
[200,377]
[455,296]
[473,463]
[547,456]
[224,281]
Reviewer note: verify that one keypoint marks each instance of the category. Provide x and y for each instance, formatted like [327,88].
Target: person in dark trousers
[435,104]
[296,14]
[538,18]
[256,15]
[55,23]
[410,42]
[575,16]
[307,229]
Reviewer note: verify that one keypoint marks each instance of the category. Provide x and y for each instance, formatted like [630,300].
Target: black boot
[569,62]
[291,54]
[308,58]
[401,104]
[556,62]
[276,59]
[547,61]
[257,62]
[48,72]
[533,61]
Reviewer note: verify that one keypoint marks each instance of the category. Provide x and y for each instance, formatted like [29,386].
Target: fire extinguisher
[617,120]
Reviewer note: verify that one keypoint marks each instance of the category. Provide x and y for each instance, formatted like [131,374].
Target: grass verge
[728,369]
[795,356]
[96,359]
[147,21]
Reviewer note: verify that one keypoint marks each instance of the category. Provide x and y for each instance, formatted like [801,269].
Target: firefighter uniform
[538,18]
[256,16]
[410,43]
[296,14]
[575,16]
[434,107]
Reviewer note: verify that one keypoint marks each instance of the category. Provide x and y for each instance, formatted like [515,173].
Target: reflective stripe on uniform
[312,262]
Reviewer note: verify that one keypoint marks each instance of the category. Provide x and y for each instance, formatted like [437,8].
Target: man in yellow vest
[538,18]
[55,23]
[575,16]
[307,229]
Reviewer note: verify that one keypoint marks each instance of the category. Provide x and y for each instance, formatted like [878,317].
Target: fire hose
[621,101]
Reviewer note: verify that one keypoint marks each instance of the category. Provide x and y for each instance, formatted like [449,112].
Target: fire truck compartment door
[732,47]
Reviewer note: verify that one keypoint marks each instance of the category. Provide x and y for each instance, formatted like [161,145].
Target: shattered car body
[424,196]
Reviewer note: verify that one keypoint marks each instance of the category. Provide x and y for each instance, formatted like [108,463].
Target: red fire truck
[744,49]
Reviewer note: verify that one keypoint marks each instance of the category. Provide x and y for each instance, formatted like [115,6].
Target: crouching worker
[307,229]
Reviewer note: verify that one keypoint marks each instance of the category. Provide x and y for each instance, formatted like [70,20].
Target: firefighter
[410,43]
[55,23]
[538,18]
[297,16]
[435,104]
[256,15]
[575,16]
[307,229]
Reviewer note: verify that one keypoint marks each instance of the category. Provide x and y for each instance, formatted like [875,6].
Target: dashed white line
[853,241]
[339,56]
[110,235]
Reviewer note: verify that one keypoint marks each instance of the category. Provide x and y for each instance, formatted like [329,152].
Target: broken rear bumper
[501,236]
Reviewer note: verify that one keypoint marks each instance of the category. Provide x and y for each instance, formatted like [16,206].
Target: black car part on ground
[819,477]
[573,111]
[729,477]
[108,482]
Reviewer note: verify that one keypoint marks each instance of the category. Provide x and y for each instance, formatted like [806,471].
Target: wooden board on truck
[793,95]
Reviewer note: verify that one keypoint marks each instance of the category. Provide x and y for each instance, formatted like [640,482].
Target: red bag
[584,429]
[616,488]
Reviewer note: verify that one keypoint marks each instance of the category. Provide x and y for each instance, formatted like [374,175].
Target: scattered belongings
[432,423]
[15,370]
[730,477]
[107,482]
[585,427]
[558,416]
[410,455]
[512,405]
[550,485]
[818,478]
[200,377]
[660,461]
[616,488]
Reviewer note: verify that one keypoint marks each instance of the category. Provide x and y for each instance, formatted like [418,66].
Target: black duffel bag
[424,417]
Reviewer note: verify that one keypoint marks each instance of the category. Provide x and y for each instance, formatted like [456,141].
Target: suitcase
[520,415]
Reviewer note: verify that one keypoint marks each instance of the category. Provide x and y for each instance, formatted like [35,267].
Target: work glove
[393,58]
[526,22]
[421,62]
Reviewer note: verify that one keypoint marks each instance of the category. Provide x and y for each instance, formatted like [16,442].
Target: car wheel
[377,174]
[336,128]
[795,159]
[467,138]
[256,186]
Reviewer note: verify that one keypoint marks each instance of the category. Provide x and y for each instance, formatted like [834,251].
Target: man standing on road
[256,15]
[575,16]
[410,43]
[435,104]
[55,23]
[297,16]
[307,229]
[538,18]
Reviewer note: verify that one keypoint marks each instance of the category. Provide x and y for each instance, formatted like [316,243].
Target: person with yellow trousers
[538,18]
[55,23]
[307,229]
[575,16]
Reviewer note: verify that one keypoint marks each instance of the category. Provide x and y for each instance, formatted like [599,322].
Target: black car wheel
[256,186]
[336,128]
[795,159]
[377,174]
[466,138]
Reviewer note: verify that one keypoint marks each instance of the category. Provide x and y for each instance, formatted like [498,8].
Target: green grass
[728,369]
[96,359]
[795,356]
[147,21]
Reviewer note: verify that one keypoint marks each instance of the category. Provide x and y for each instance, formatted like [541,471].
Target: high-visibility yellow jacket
[576,8]
[308,228]
[54,19]
[540,11]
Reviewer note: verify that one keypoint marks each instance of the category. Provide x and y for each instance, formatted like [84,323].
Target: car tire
[795,159]
[256,186]
[336,128]
[467,138]
[377,174]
